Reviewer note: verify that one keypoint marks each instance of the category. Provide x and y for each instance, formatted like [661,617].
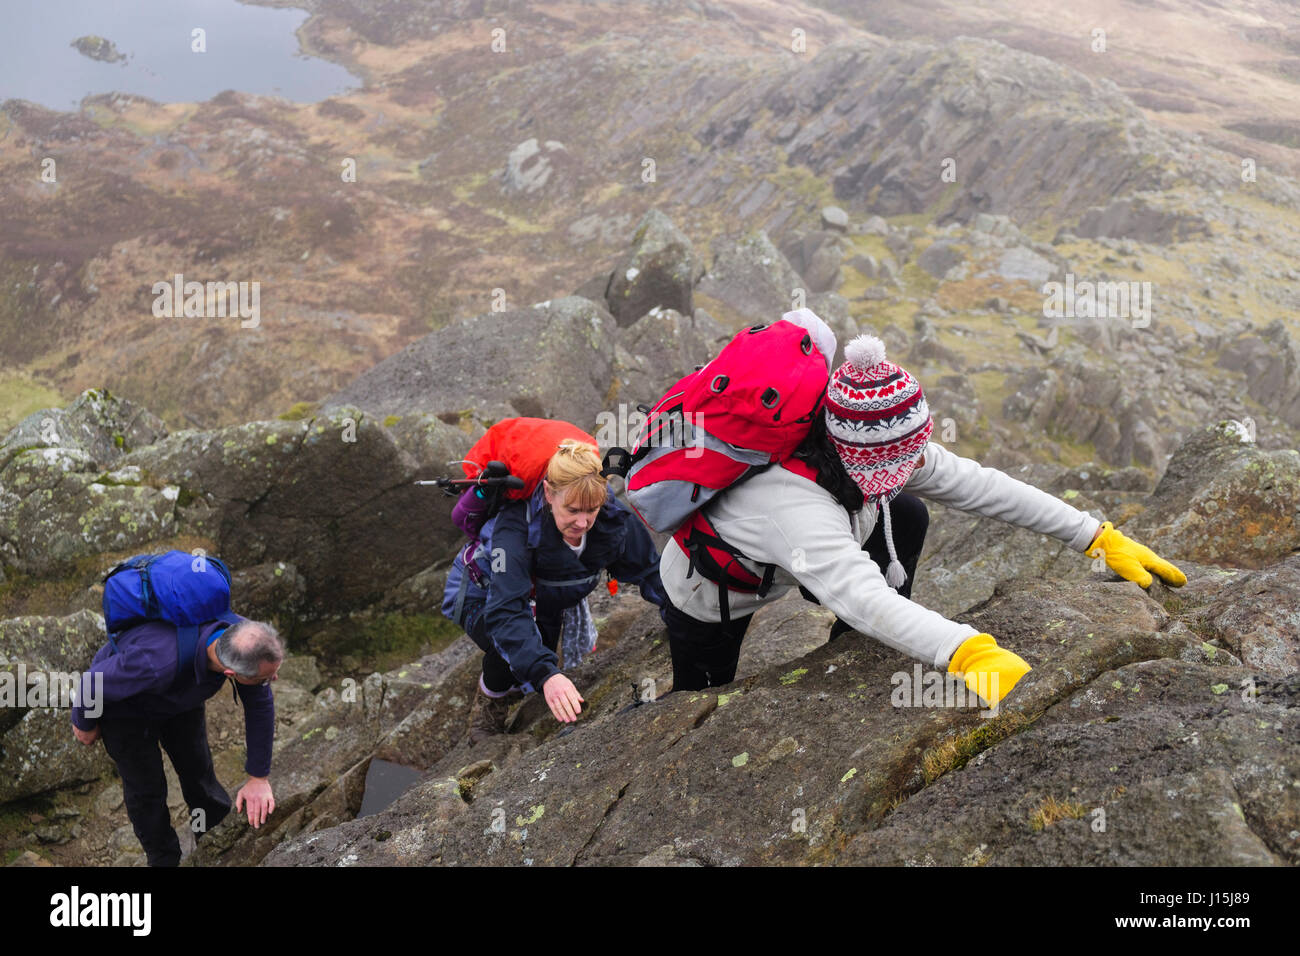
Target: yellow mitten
[1000,668]
[1130,560]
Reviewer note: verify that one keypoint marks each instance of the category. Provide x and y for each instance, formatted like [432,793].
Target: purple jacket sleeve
[111,678]
[468,513]
[259,727]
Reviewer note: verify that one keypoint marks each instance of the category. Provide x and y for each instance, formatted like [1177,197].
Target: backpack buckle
[618,461]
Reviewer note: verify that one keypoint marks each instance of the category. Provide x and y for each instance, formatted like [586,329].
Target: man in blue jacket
[146,702]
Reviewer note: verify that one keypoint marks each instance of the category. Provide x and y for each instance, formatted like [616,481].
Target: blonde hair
[574,472]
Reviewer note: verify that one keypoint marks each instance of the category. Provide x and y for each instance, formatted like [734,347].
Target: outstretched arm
[967,485]
[506,615]
[255,797]
[810,538]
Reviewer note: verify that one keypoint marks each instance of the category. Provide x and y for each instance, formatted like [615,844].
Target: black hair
[817,450]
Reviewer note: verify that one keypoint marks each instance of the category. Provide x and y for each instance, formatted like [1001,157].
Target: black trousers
[910,520]
[705,653]
[496,672]
[133,743]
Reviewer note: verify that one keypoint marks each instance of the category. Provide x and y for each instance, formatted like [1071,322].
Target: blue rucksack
[183,589]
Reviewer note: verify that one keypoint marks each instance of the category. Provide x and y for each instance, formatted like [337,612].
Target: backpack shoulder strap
[532,515]
[187,642]
[718,561]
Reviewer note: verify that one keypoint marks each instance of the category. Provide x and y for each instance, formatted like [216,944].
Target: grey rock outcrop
[1137,218]
[333,496]
[66,491]
[38,751]
[531,166]
[761,792]
[550,360]
[659,348]
[817,257]
[939,257]
[1224,500]
[1267,359]
[659,271]
[748,282]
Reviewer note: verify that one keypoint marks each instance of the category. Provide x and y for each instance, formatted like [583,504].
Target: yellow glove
[1131,560]
[980,656]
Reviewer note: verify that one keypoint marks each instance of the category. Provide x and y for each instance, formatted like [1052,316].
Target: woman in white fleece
[813,517]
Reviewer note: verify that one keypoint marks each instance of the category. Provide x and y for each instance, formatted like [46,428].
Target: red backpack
[507,462]
[743,412]
[525,446]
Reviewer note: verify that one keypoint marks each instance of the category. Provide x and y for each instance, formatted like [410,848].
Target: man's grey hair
[243,647]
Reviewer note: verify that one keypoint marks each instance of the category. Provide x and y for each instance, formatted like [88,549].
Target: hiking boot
[487,718]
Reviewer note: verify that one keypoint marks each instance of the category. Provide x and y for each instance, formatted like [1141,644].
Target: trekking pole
[494,476]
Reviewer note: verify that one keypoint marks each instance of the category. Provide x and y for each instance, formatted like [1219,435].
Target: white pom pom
[896,574]
[864,352]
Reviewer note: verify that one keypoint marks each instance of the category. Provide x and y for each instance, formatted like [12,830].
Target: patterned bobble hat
[878,421]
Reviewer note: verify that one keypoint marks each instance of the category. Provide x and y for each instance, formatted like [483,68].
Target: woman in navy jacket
[537,558]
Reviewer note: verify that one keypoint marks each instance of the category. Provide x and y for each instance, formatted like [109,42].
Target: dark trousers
[496,672]
[910,520]
[133,744]
[705,653]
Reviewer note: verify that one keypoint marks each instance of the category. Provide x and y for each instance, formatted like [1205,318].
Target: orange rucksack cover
[525,445]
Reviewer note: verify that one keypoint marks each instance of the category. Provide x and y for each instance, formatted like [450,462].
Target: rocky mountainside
[1186,65]
[702,110]
[1143,708]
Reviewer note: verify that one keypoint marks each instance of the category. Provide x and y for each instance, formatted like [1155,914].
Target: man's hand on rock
[257,794]
[87,737]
